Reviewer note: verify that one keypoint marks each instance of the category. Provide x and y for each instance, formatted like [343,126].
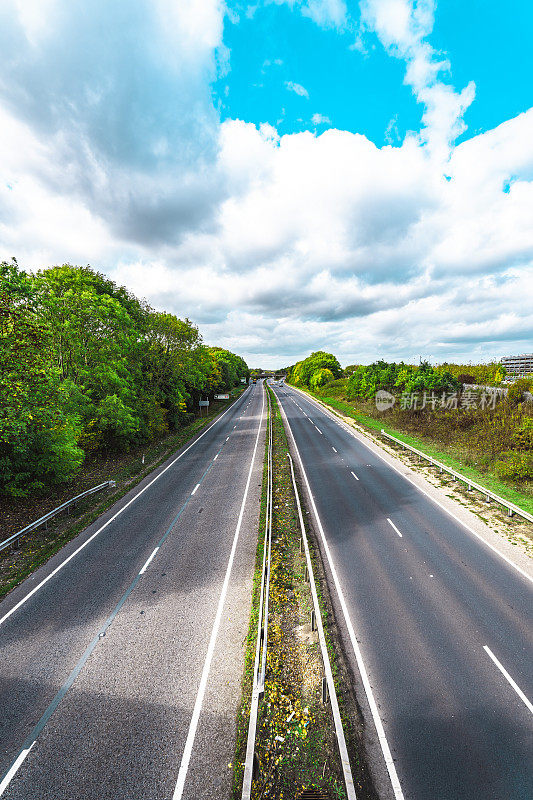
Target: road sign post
[203,404]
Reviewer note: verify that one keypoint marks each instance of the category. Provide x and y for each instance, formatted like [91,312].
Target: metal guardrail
[258,685]
[511,507]
[11,540]
[328,685]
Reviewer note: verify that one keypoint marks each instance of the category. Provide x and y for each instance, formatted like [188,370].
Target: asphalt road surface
[120,674]
[436,624]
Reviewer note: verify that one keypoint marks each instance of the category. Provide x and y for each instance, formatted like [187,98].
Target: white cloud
[297,88]
[326,13]
[273,244]
[403,27]
[320,119]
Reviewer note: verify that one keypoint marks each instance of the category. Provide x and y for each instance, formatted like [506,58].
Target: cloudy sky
[292,175]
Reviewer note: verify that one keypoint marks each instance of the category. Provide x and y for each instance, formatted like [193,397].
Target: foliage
[515,466]
[396,378]
[302,372]
[490,437]
[491,374]
[321,377]
[85,365]
[349,370]
[515,393]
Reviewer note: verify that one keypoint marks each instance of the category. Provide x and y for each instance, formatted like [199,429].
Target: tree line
[86,366]
[490,432]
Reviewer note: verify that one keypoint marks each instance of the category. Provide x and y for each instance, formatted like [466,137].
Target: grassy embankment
[295,744]
[457,454]
[126,469]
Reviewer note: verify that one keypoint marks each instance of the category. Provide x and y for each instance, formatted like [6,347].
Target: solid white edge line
[506,675]
[355,476]
[394,526]
[195,489]
[109,521]
[450,513]
[387,755]
[147,564]
[14,769]
[186,757]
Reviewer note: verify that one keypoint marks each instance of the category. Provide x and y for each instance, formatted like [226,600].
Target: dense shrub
[515,393]
[515,466]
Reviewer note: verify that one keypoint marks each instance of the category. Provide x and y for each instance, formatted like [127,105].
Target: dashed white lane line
[227,439]
[193,725]
[355,476]
[109,521]
[333,449]
[318,429]
[148,560]
[506,675]
[394,526]
[215,458]
[398,794]
[195,489]
[430,497]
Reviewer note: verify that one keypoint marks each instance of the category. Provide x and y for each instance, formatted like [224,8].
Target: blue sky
[360,87]
[290,174]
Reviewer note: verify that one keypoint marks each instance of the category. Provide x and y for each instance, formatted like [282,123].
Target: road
[437,626]
[121,663]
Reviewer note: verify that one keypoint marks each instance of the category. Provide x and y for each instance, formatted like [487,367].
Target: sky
[291,175]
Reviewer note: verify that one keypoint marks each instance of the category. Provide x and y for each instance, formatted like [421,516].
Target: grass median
[296,748]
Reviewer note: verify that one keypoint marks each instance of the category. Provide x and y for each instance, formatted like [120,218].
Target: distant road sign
[203,403]
[222,397]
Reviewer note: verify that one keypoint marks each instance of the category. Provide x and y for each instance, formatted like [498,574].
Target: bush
[515,393]
[515,466]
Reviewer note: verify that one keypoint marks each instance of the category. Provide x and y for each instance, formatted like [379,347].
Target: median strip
[296,745]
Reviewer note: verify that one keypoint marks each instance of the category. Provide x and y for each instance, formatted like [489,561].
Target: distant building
[518,365]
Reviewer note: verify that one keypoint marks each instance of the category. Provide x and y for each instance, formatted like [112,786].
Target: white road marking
[227,439]
[387,755]
[318,429]
[355,476]
[394,526]
[333,449]
[14,769]
[186,757]
[109,521]
[506,675]
[143,570]
[215,458]
[423,491]
[195,489]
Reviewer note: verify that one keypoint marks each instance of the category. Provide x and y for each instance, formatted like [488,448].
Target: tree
[86,366]
[321,377]
[38,438]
